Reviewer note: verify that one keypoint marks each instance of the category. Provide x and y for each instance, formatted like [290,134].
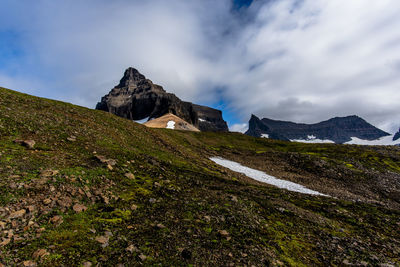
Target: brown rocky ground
[85,188]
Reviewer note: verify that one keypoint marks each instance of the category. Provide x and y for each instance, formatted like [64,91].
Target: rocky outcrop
[136,98]
[396,136]
[338,130]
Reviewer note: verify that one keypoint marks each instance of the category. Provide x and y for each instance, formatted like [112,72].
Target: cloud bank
[304,61]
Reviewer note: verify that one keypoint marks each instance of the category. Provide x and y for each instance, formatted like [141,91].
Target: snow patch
[264,135]
[142,120]
[313,141]
[263,177]
[383,141]
[170,125]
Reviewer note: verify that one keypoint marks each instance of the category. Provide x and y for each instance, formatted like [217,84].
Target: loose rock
[27,143]
[129,175]
[39,253]
[17,214]
[79,208]
[29,264]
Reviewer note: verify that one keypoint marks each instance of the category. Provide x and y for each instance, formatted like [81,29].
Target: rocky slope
[136,98]
[170,121]
[80,187]
[338,130]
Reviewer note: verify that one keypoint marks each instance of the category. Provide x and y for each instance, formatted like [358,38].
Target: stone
[223,232]
[234,198]
[160,226]
[103,240]
[56,220]
[103,159]
[79,208]
[142,257]
[5,242]
[39,253]
[17,214]
[71,138]
[134,207]
[136,98]
[27,143]
[29,264]
[130,175]
[48,173]
[47,201]
[132,248]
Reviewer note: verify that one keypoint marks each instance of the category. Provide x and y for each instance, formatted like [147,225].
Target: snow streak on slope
[313,141]
[383,141]
[263,177]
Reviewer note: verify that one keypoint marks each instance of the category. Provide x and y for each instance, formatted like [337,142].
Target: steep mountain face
[338,130]
[136,98]
[396,136]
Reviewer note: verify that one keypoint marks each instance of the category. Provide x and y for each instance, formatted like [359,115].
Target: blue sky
[299,60]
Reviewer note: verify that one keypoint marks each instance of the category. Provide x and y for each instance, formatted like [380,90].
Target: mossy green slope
[162,202]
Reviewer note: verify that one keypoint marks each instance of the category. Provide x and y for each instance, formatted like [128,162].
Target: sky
[298,60]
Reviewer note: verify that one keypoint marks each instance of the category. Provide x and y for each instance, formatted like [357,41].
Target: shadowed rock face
[339,129]
[396,136]
[136,98]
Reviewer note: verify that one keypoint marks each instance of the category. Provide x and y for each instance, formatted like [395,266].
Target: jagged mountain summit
[137,98]
[336,130]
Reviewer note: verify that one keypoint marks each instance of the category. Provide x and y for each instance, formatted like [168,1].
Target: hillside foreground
[95,189]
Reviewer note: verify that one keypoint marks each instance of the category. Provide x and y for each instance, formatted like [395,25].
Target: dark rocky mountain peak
[137,98]
[338,129]
[131,77]
[396,136]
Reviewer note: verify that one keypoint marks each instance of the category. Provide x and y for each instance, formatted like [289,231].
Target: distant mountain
[137,98]
[337,130]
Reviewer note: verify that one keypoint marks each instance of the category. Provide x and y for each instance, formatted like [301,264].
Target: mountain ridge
[338,129]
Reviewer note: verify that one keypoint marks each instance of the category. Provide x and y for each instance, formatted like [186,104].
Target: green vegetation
[101,189]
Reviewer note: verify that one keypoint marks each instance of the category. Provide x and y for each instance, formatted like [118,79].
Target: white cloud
[292,60]
[239,127]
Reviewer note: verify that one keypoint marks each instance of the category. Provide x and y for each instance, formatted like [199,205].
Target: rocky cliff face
[136,98]
[338,130]
[396,136]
